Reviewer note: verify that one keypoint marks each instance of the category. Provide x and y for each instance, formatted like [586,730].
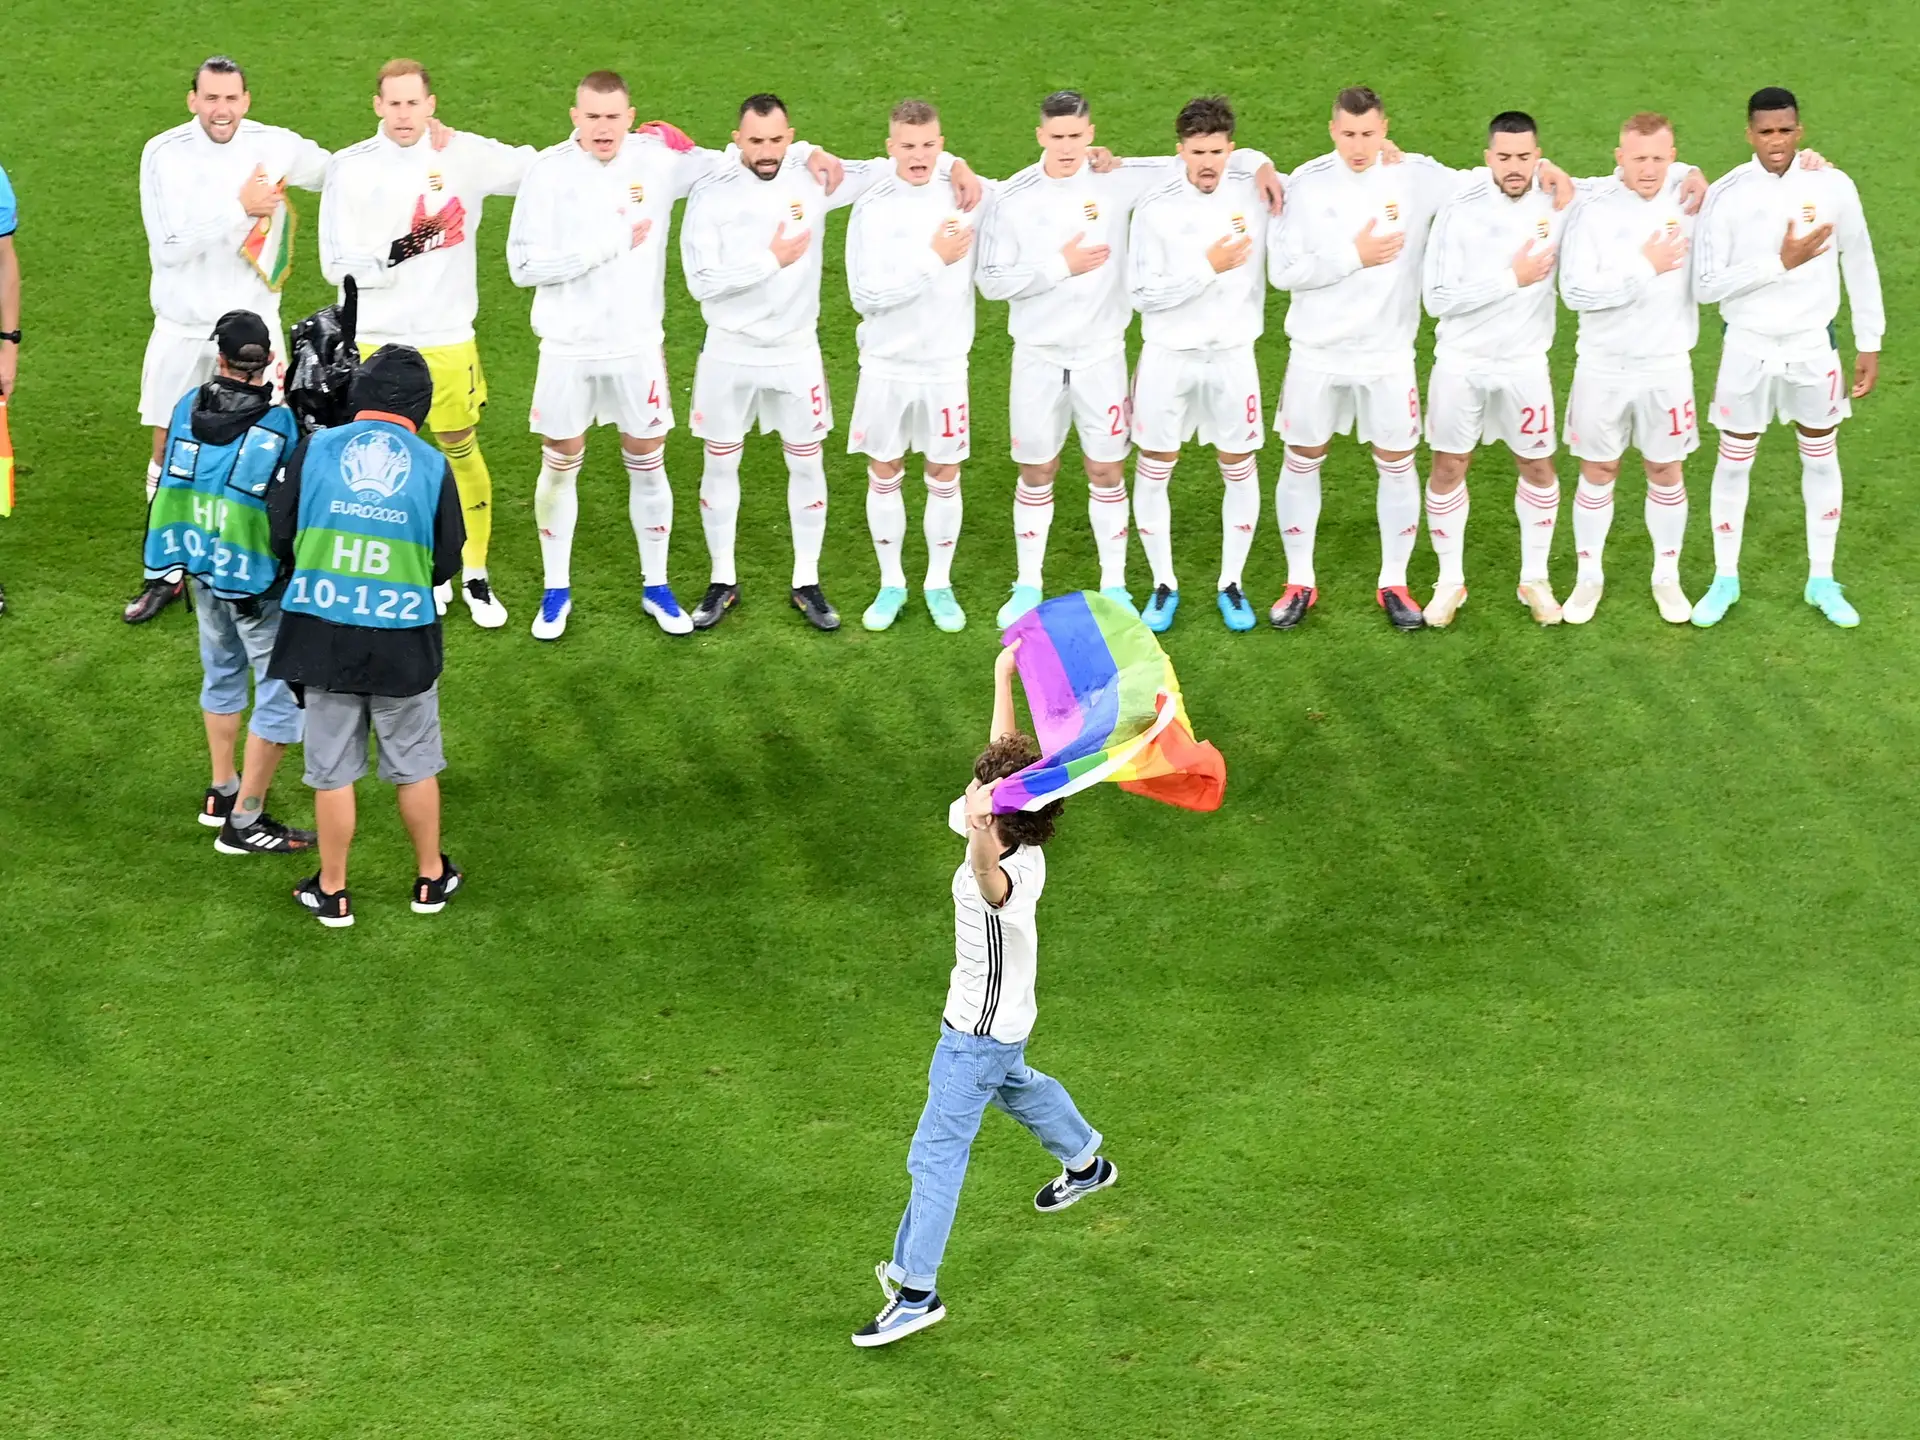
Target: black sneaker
[1059,1194]
[1402,613]
[334,911]
[266,836]
[215,808]
[812,602]
[430,896]
[154,597]
[1292,606]
[3,599]
[714,605]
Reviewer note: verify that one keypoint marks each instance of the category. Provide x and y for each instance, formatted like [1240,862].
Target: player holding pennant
[401,217]
[1197,274]
[220,238]
[910,273]
[1774,242]
[751,249]
[589,237]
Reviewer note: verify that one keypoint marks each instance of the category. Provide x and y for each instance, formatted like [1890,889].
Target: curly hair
[1004,757]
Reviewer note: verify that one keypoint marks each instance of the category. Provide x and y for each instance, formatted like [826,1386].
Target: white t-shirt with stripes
[996,950]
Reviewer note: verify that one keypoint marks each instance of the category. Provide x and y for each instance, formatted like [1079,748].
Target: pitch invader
[1350,248]
[1773,243]
[220,236]
[751,249]
[910,272]
[401,218]
[1056,247]
[1624,271]
[1197,275]
[1488,281]
[589,236]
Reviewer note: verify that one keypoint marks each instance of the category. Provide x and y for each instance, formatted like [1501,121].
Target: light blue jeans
[231,644]
[970,1072]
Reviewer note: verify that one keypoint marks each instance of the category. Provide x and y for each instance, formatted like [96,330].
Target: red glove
[673,135]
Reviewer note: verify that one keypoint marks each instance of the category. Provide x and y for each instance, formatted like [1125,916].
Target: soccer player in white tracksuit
[204,188]
[910,273]
[590,233]
[1489,282]
[402,218]
[1773,242]
[751,248]
[1624,271]
[1197,275]
[1056,247]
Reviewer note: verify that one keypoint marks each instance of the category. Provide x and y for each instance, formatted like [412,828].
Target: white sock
[1727,505]
[556,510]
[1592,519]
[153,479]
[720,507]
[1153,516]
[1397,507]
[1032,519]
[1447,532]
[1107,514]
[1667,526]
[1537,508]
[650,508]
[941,526]
[1296,509]
[806,509]
[887,523]
[1239,513]
[1820,489]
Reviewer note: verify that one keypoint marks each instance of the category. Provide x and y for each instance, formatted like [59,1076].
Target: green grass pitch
[1527,1049]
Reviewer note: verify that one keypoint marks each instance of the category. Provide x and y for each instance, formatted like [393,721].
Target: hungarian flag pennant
[1106,706]
[269,246]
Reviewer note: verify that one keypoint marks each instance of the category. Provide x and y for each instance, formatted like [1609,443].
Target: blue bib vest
[209,515]
[363,550]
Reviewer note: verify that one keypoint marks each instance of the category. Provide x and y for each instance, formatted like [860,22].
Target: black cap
[394,379]
[244,339]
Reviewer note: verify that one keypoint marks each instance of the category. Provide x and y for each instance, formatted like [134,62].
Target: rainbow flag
[269,247]
[1106,706]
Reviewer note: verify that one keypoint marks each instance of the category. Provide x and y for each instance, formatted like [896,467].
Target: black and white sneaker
[1059,1194]
[811,601]
[714,605]
[266,836]
[901,1317]
[154,596]
[430,896]
[215,808]
[334,911]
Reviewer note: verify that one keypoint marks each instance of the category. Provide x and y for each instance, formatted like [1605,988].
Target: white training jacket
[1488,321]
[917,312]
[190,204]
[597,295]
[1770,310]
[1071,320]
[1184,303]
[1631,320]
[1346,318]
[376,192]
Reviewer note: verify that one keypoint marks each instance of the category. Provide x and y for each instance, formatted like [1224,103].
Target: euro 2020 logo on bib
[375,464]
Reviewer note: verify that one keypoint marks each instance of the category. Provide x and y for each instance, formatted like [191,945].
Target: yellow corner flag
[6,462]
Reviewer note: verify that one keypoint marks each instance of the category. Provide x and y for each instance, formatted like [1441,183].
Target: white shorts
[1382,410]
[1752,393]
[176,363]
[1046,398]
[1610,412]
[572,395]
[1211,394]
[729,399]
[1466,409]
[892,416]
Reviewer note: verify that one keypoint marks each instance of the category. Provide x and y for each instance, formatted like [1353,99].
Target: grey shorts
[408,731]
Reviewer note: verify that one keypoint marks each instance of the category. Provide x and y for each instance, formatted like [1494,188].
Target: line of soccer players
[1361,238]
